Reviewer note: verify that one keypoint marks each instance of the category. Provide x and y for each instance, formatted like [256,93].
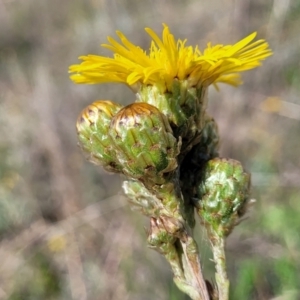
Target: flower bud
[159,237]
[223,193]
[141,199]
[92,129]
[145,145]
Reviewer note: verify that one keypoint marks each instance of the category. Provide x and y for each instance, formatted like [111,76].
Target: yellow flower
[169,59]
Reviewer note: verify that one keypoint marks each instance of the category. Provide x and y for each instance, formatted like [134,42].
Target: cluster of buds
[135,140]
[166,145]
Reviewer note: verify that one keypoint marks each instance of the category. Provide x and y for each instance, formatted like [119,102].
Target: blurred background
[66,231]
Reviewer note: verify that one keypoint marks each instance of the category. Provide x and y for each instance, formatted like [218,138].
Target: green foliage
[269,277]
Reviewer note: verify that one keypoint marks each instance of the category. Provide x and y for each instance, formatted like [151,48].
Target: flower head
[169,59]
[223,187]
[92,129]
[144,142]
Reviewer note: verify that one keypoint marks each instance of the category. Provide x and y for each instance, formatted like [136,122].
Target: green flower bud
[92,129]
[149,204]
[159,237]
[142,200]
[145,145]
[223,193]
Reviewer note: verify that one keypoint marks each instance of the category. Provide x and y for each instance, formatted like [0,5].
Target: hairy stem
[192,267]
[218,248]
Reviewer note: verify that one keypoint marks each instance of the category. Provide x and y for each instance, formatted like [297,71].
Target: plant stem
[182,254]
[218,248]
[184,260]
[192,267]
[193,282]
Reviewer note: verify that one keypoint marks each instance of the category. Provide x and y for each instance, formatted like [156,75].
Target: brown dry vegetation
[66,230]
